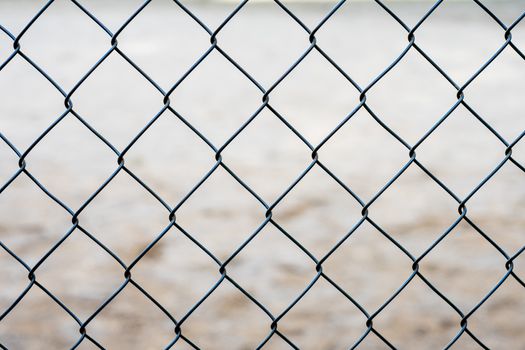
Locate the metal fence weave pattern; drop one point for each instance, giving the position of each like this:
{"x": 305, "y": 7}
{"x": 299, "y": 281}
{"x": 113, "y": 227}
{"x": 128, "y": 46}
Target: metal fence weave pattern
{"x": 220, "y": 162}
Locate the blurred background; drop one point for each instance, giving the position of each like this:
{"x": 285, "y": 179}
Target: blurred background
{"x": 164, "y": 41}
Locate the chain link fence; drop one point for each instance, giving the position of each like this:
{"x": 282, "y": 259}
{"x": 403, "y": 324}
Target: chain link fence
{"x": 266, "y": 211}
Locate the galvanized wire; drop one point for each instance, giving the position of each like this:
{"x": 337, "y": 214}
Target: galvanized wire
{"x": 269, "y": 207}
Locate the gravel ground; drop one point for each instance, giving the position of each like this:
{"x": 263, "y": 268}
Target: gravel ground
{"x": 72, "y": 163}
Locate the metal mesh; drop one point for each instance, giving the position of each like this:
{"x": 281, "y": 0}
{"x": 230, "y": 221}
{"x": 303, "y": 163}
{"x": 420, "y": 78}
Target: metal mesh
{"x": 223, "y": 276}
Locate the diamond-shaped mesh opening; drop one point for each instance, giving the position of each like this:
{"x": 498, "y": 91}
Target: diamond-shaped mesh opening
{"x": 104, "y": 101}
{"x": 425, "y": 210}
{"x": 353, "y": 142}
{"x": 65, "y": 42}
{"x": 469, "y": 276}
{"x": 158, "y": 164}
{"x": 261, "y": 175}
{"x": 60, "y": 149}
{"x": 261, "y": 164}
{"x": 370, "y": 277}
{"x": 190, "y": 266}
{"x": 274, "y": 284}
{"x": 469, "y": 149}
{"x": 300, "y": 99}
{"x": 126, "y": 230}
{"x": 70, "y": 277}
{"x": 422, "y": 97}
{"x": 205, "y": 98}
{"x": 317, "y": 213}
{"x": 221, "y": 214}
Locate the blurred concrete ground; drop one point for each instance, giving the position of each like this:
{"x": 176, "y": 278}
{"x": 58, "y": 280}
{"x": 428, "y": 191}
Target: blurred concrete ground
{"x": 72, "y": 163}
